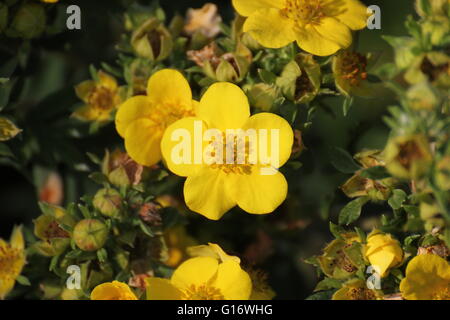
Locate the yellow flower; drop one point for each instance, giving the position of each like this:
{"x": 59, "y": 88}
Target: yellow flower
{"x": 202, "y": 278}
{"x": 213, "y": 189}
{"x": 356, "y": 290}
{"x": 383, "y": 252}
{"x": 320, "y": 27}
{"x": 12, "y": 260}
{"x": 113, "y": 291}
{"x": 141, "y": 120}
{"x": 427, "y": 278}
{"x": 101, "y": 97}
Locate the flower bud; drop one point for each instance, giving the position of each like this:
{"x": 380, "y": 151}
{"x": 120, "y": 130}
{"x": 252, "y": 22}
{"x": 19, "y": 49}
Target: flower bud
{"x": 423, "y": 96}
{"x": 370, "y": 158}
{"x": 152, "y": 40}
{"x": 301, "y": 79}
{"x": 108, "y": 202}
{"x": 383, "y": 252}
{"x": 263, "y": 96}
{"x": 90, "y": 234}
{"x": 29, "y": 21}
{"x": 121, "y": 169}
{"x": 408, "y": 157}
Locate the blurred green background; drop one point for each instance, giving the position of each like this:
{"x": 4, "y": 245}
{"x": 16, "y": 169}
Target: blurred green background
{"x": 297, "y": 230}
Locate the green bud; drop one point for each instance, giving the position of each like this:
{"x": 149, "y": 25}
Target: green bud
{"x": 423, "y": 96}
{"x": 90, "y": 234}
{"x": 408, "y": 157}
{"x": 370, "y": 158}
{"x": 29, "y": 21}
{"x": 108, "y": 202}
{"x": 232, "y": 68}
{"x": 263, "y": 96}
{"x": 152, "y": 40}
{"x": 301, "y": 78}
{"x": 340, "y": 260}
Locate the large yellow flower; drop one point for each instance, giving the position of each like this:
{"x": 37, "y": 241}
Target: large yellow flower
{"x": 12, "y": 260}
{"x": 113, "y": 291}
{"x": 202, "y": 278}
{"x": 320, "y": 27}
{"x": 141, "y": 120}
{"x": 427, "y": 278}
{"x": 213, "y": 189}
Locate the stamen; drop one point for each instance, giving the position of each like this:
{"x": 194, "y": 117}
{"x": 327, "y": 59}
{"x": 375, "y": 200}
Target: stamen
{"x": 202, "y": 292}
{"x": 303, "y": 12}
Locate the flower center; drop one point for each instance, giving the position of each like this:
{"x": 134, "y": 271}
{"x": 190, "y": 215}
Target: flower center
{"x": 101, "y": 98}
{"x": 202, "y": 292}
{"x": 443, "y": 293}
{"x": 235, "y": 156}
{"x": 11, "y": 262}
{"x": 353, "y": 67}
{"x": 303, "y": 12}
{"x": 360, "y": 294}
{"x": 166, "y": 114}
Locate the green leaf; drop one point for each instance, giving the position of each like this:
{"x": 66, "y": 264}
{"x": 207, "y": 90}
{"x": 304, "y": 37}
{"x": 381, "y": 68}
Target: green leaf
{"x": 267, "y": 76}
{"x": 328, "y": 283}
{"x": 322, "y": 295}
{"x": 352, "y": 211}
{"x": 99, "y": 178}
{"x": 23, "y": 280}
{"x": 361, "y": 234}
{"x": 375, "y": 173}
{"x": 343, "y": 161}
{"x": 336, "y": 230}
{"x": 396, "y": 200}
{"x": 102, "y": 255}
{"x": 8, "y": 129}
{"x": 146, "y": 229}
{"x": 346, "y": 106}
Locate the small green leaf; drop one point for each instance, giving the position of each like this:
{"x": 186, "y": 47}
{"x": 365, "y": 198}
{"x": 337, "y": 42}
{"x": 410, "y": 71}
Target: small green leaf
{"x": 146, "y": 229}
{"x": 23, "y": 280}
{"x": 99, "y": 178}
{"x": 352, "y": 211}
{"x": 336, "y": 230}
{"x": 348, "y": 102}
{"x": 328, "y": 283}
{"x": 397, "y": 199}
{"x": 343, "y": 161}
{"x": 267, "y": 76}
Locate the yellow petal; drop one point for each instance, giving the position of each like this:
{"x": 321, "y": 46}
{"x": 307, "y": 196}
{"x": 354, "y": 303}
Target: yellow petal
{"x": 107, "y": 81}
{"x": 270, "y": 28}
{"x": 6, "y": 285}
{"x": 335, "y": 31}
{"x": 162, "y": 289}
{"x": 84, "y": 89}
{"x": 112, "y": 291}
{"x": 134, "y": 108}
{"x": 233, "y": 282}
{"x": 274, "y": 126}
{"x": 313, "y": 42}
{"x": 178, "y": 146}
{"x": 17, "y": 240}
{"x": 142, "y": 142}
{"x": 257, "y": 193}
{"x": 88, "y": 113}
{"x": 247, "y": 7}
{"x": 350, "y": 12}
{"x": 381, "y": 260}
{"x": 169, "y": 86}
{"x": 207, "y": 193}
{"x": 211, "y": 250}
{"x": 195, "y": 271}
{"x": 224, "y": 106}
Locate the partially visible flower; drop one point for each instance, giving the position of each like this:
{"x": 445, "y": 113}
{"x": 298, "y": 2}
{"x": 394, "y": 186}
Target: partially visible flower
{"x": 220, "y": 66}
{"x": 351, "y": 75}
{"x": 226, "y": 181}
{"x": 408, "y": 157}
{"x": 383, "y": 252}
{"x": 301, "y": 79}
{"x": 202, "y": 278}
{"x": 113, "y": 291}
{"x": 51, "y": 191}
{"x": 205, "y": 20}
{"x": 211, "y": 250}
{"x": 356, "y": 289}
{"x": 142, "y": 120}
{"x": 12, "y": 260}
{"x": 48, "y": 227}
{"x": 433, "y": 67}
{"x": 121, "y": 169}
{"x": 320, "y": 27}
{"x": 152, "y": 40}
{"x": 101, "y": 97}
{"x": 177, "y": 241}
{"x": 427, "y": 278}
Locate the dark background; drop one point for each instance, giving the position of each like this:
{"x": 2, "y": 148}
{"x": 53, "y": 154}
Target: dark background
{"x": 62, "y": 61}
